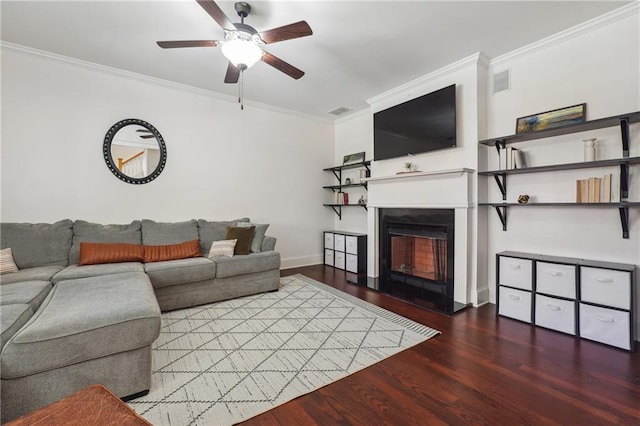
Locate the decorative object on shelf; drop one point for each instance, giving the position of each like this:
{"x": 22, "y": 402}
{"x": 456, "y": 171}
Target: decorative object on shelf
{"x": 347, "y": 181}
{"x": 357, "y": 157}
{"x": 362, "y": 201}
{"x": 590, "y": 149}
{"x": 551, "y": 119}
{"x": 409, "y": 167}
{"x": 523, "y": 199}
{"x": 363, "y": 175}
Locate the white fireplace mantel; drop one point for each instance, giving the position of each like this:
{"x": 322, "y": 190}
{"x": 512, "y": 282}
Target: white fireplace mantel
{"x": 441, "y": 189}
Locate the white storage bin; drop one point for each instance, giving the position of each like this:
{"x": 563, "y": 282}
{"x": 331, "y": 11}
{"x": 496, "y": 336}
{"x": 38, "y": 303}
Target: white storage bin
{"x": 604, "y": 325}
{"x": 515, "y": 272}
{"x": 351, "y": 243}
{"x": 605, "y": 287}
{"x": 515, "y": 304}
{"x": 556, "y": 314}
{"x": 328, "y": 240}
{"x": 352, "y": 263}
{"x": 339, "y": 242}
{"x": 339, "y": 260}
{"x": 328, "y": 257}
{"x": 556, "y": 279}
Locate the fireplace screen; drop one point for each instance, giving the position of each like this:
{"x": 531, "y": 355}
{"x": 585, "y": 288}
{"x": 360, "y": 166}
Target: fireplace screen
{"x": 421, "y": 256}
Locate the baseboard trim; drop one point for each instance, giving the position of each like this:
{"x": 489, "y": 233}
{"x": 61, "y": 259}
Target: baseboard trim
{"x": 297, "y": 262}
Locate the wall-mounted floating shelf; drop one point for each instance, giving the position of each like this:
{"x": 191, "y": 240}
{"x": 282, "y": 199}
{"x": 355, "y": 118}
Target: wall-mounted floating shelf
{"x": 337, "y": 172}
{"x": 624, "y": 162}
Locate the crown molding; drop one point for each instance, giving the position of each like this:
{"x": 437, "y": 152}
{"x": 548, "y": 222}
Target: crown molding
{"x": 92, "y": 66}
{"x": 594, "y": 24}
{"x": 425, "y": 79}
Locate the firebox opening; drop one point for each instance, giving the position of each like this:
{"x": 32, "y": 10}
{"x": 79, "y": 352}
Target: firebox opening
{"x": 418, "y": 255}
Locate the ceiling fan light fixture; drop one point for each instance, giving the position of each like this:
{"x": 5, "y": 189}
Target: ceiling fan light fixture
{"x": 241, "y": 50}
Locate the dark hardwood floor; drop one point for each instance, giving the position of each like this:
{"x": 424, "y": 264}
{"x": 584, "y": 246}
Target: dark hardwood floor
{"x": 481, "y": 370}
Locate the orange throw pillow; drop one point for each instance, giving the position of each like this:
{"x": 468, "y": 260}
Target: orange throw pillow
{"x": 172, "y": 252}
{"x": 94, "y": 253}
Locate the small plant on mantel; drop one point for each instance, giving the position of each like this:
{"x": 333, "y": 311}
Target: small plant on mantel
{"x": 408, "y": 166}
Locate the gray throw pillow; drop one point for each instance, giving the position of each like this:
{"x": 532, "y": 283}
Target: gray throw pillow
{"x": 258, "y": 235}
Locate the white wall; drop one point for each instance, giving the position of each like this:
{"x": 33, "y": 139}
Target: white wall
{"x": 599, "y": 66}
{"x": 222, "y": 163}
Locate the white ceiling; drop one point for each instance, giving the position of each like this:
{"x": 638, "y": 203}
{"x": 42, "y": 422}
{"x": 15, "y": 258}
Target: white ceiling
{"x": 358, "y": 49}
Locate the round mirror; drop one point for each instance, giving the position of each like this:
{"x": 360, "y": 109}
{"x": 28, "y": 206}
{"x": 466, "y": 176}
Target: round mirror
{"x": 134, "y": 151}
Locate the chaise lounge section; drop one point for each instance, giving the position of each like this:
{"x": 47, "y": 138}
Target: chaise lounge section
{"x": 67, "y": 325}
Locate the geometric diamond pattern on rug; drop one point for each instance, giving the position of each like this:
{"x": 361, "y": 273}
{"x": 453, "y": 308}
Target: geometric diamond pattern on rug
{"x": 226, "y": 362}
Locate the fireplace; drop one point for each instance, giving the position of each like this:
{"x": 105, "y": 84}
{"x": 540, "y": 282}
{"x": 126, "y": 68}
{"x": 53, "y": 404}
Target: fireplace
{"x": 417, "y": 256}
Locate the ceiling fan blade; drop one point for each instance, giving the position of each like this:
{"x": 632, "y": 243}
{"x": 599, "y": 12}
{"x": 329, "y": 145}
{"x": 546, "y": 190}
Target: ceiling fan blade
{"x": 287, "y": 32}
{"x": 187, "y": 43}
{"x": 283, "y": 66}
{"x": 147, "y": 136}
{"x": 233, "y": 73}
{"x": 143, "y": 131}
{"x": 217, "y": 14}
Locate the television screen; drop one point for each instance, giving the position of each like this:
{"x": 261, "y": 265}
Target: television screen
{"x": 423, "y": 124}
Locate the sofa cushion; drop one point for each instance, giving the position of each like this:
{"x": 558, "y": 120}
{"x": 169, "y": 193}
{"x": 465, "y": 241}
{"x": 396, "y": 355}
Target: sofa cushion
{"x": 210, "y": 231}
{"x": 238, "y": 265}
{"x": 172, "y": 251}
{"x": 7, "y": 265}
{"x": 29, "y": 292}
{"x": 160, "y": 233}
{"x": 84, "y": 231}
{"x": 13, "y": 317}
{"x": 258, "y": 235}
{"x": 243, "y": 237}
{"x": 130, "y": 320}
{"x": 73, "y": 272}
{"x": 96, "y": 253}
{"x": 173, "y": 272}
{"x": 38, "y": 244}
{"x": 40, "y": 273}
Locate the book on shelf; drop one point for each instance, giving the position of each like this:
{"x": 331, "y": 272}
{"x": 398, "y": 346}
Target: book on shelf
{"x": 345, "y": 197}
{"x": 339, "y": 197}
{"x": 518, "y": 159}
{"x": 502, "y": 159}
{"x": 615, "y": 188}
{"x": 606, "y": 189}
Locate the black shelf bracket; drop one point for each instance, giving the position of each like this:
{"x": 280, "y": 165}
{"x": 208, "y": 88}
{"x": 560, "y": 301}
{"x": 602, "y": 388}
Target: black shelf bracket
{"x": 624, "y": 131}
{"x": 338, "y": 175}
{"x": 624, "y": 220}
{"x": 364, "y": 206}
{"x": 502, "y": 214}
{"x": 501, "y": 180}
{"x": 624, "y": 181}
{"x": 338, "y": 211}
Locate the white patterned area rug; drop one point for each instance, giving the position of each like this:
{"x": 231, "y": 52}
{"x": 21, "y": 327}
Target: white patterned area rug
{"x": 226, "y": 362}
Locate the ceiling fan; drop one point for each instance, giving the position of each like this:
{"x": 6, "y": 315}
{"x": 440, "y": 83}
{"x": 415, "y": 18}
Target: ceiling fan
{"x": 242, "y": 43}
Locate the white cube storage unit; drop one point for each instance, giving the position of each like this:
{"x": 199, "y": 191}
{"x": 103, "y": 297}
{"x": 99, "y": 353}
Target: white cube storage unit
{"x": 346, "y": 250}
{"x": 585, "y": 298}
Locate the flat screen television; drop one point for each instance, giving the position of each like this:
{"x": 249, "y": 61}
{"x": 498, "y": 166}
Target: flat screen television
{"x": 423, "y": 124}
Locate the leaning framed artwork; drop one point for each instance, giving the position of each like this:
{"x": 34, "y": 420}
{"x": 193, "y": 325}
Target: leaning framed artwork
{"x": 358, "y": 157}
{"x": 552, "y": 119}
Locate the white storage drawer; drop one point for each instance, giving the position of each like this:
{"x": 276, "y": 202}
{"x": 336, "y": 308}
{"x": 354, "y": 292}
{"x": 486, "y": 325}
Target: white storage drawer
{"x": 352, "y": 263}
{"x": 328, "y": 257}
{"x": 328, "y": 240}
{"x": 556, "y": 314}
{"x": 338, "y": 242}
{"x": 515, "y": 272}
{"x": 605, "y": 287}
{"x": 605, "y": 325}
{"x": 351, "y": 244}
{"x": 515, "y": 304}
{"x": 556, "y": 279}
{"x": 339, "y": 260}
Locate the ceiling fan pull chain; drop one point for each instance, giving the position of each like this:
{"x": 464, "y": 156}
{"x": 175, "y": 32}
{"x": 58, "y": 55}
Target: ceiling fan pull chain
{"x": 241, "y": 99}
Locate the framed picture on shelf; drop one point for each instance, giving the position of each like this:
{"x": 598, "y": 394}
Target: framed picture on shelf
{"x": 358, "y": 157}
{"x": 551, "y": 119}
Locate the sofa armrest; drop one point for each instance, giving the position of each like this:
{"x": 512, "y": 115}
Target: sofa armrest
{"x": 269, "y": 243}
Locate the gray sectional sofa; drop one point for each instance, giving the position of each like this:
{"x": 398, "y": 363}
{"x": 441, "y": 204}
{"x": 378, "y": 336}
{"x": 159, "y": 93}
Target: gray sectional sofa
{"x": 66, "y": 326}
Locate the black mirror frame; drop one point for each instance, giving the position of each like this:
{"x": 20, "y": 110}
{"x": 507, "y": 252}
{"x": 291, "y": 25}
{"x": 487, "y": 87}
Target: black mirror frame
{"x": 106, "y": 151}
